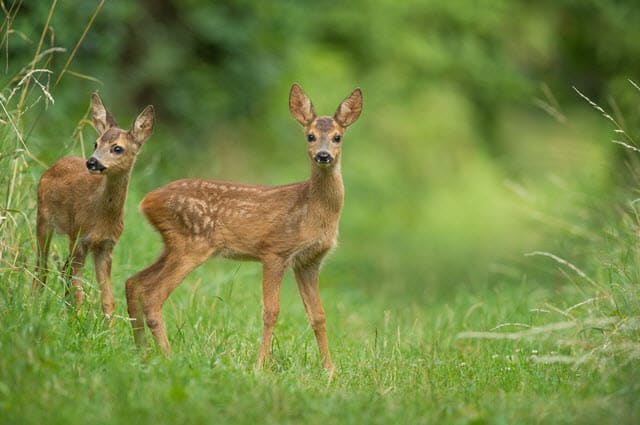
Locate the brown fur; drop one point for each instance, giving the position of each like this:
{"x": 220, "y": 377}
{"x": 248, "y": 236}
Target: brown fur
{"x": 285, "y": 226}
{"x": 89, "y": 208}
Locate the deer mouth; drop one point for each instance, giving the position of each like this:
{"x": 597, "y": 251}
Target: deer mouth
{"x": 94, "y": 166}
{"x": 323, "y": 158}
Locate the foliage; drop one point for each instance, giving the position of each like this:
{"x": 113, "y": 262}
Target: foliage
{"x": 472, "y": 151}
{"x": 225, "y": 59}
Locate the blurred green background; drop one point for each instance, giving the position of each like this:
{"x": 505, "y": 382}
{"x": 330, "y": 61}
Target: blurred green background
{"x": 472, "y": 150}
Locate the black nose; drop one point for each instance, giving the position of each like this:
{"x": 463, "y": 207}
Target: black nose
{"x": 323, "y": 157}
{"x": 94, "y": 165}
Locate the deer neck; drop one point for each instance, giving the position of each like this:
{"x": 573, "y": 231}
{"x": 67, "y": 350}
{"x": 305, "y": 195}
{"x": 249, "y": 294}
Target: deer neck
{"x": 326, "y": 189}
{"x": 114, "y": 194}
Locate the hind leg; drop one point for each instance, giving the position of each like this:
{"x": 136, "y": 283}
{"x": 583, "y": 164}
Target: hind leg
{"x": 43, "y": 243}
{"x": 75, "y": 263}
{"x": 148, "y": 290}
{"x": 134, "y": 301}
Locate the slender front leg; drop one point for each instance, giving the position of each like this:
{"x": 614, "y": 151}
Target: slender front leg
{"x": 307, "y": 279}
{"x": 102, "y": 260}
{"x": 273, "y": 269}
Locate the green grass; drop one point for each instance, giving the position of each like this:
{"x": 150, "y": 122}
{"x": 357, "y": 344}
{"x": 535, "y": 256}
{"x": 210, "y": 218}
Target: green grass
{"x": 399, "y": 359}
{"x": 395, "y": 363}
{"x": 433, "y": 313}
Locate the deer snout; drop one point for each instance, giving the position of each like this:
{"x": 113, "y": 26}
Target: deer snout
{"x": 95, "y": 166}
{"x": 323, "y": 157}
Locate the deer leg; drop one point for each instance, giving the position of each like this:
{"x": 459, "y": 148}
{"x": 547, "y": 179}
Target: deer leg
{"x": 157, "y": 282}
{"x": 134, "y": 300}
{"x": 77, "y": 256}
{"x": 102, "y": 261}
{"x": 43, "y": 242}
{"x": 307, "y": 279}
{"x": 272, "y": 274}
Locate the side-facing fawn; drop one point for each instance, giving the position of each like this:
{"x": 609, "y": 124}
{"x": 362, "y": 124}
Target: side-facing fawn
{"x": 293, "y": 225}
{"x": 85, "y": 201}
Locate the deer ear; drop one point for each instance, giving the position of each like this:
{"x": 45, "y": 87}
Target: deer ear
{"x": 349, "y": 110}
{"x": 143, "y": 125}
{"x": 300, "y": 105}
{"x": 102, "y": 118}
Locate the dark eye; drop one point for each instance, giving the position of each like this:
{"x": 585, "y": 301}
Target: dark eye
{"x": 95, "y": 146}
{"x": 117, "y": 149}
{"x": 337, "y": 138}
{"x": 311, "y": 137}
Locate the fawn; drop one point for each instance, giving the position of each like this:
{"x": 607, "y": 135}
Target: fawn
{"x": 85, "y": 201}
{"x": 293, "y": 225}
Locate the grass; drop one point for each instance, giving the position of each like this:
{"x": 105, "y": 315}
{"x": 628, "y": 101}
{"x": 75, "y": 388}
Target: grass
{"x": 487, "y": 355}
{"x": 545, "y": 341}
{"x": 396, "y": 363}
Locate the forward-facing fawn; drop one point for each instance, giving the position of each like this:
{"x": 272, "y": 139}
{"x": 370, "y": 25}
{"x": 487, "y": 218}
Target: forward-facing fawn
{"x": 85, "y": 201}
{"x": 293, "y": 225}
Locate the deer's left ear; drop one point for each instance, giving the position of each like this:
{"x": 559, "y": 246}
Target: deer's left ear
{"x": 102, "y": 118}
{"x": 143, "y": 125}
{"x": 300, "y": 105}
{"x": 350, "y": 108}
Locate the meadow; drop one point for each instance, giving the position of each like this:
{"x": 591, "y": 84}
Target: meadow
{"x": 504, "y": 353}
{"x": 473, "y": 284}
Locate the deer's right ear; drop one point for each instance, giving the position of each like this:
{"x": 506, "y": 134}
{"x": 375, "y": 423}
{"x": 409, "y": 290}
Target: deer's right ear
{"x": 350, "y": 109}
{"x": 143, "y": 125}
{"x": 300, "y": 105}
{"x": 102, "y": 118}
